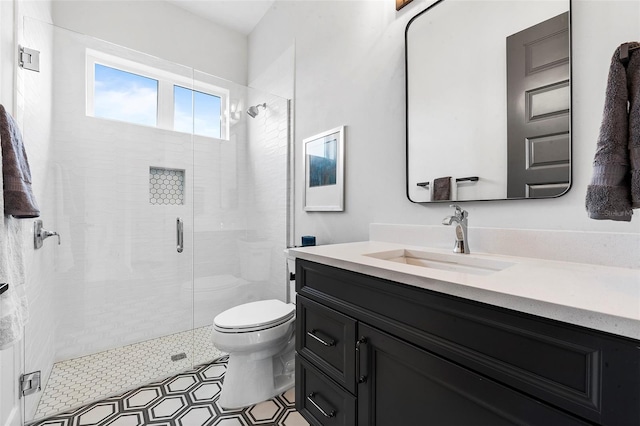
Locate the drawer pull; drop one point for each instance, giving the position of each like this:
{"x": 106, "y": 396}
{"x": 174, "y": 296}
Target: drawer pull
{"x": 332, "y": 413}
{"x": 311, "y": 333}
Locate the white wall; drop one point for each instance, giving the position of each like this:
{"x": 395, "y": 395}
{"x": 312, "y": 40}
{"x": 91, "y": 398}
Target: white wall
{"x": 160, "y": 29}
{"x": 349, "y": 69}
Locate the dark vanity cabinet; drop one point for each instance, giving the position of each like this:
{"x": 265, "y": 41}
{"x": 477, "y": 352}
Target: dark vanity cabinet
{"x": 375, "y": 352}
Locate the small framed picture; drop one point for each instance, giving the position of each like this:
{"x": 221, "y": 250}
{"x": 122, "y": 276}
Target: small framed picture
{"x": 324, "y": 171}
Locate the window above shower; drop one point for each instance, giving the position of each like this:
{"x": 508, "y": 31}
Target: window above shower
{"x": 196, "y": 112}
{"x": 124, "y": 96}
{"x": 123, "y": 90}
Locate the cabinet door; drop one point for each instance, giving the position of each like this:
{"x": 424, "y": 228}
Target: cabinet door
{"x": 405, "y": 385}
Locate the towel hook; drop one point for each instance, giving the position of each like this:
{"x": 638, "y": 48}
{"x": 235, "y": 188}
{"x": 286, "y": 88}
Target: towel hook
{"x": 625, "y": 48}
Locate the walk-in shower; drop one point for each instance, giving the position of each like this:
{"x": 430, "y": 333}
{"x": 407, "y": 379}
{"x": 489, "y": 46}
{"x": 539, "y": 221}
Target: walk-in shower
{"x": 125, "y": 147}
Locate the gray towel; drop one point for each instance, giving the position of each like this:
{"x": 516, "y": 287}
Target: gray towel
{"x": 18, "y": 197}
{"x": 442, "y": 188}
{"x": 633, "y": 77}
{"x": 616, "y": 167}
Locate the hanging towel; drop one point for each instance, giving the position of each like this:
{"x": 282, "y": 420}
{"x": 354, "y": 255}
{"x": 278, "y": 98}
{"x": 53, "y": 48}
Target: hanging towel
{"x": 18, "y": 196}
{"x": 14, "y": 309}
{"x": 616, "y": 167}
{"x": 633, "y": 76}
{"x": 442, "y": 188}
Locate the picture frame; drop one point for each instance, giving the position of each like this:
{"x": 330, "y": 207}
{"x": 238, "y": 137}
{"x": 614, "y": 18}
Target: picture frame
{"x": 324, "y": 171}
{"x": 402, "y": 3}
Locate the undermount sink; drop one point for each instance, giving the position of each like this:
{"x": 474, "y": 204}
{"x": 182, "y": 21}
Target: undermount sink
{"x": 445, "y": 262}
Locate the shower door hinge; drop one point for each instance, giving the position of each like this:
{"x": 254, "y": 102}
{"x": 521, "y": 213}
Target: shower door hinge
{"x": 29, "y": 59}
{"x": 30, "y": 383}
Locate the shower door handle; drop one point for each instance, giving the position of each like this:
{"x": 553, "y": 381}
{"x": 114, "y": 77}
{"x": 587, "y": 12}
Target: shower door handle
{"x": 179, "y": 235}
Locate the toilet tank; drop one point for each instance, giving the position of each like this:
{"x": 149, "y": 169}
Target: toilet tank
{"x": 255, "y": 260}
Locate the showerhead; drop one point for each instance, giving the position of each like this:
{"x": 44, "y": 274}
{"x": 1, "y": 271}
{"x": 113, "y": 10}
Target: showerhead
{"x": 253, "y": 110}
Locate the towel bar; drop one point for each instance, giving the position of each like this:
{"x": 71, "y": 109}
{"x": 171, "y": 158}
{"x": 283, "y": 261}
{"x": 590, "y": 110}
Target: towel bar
{"x": 468, "y": 179}
{"x": 624, "y": 52}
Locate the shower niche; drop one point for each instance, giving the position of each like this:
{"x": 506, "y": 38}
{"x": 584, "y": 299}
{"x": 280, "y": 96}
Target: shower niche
{"x": 166, "y": 186}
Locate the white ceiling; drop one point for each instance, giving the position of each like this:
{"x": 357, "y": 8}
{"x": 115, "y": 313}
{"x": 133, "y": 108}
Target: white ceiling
{"x": 238, "y": 15}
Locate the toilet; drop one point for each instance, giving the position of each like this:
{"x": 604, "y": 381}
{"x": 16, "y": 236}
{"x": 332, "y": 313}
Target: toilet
{"x": 259, "y": 338}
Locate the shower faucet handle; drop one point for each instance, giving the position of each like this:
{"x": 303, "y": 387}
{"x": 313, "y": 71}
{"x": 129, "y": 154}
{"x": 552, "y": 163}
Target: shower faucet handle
{"x": 46, "y": 234}
{"x": 40, "y": 234}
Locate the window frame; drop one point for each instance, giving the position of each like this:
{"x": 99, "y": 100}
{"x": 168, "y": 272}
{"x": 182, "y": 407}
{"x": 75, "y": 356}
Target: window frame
{"x": 166, "y": 82}
{"x": 193, "y": 90}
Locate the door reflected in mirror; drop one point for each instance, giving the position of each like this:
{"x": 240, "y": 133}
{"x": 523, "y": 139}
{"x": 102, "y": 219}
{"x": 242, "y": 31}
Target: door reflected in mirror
{"x": 489, "y": 100}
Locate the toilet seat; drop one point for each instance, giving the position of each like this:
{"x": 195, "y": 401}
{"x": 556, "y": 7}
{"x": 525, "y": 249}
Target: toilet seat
{"x": 254, "y": 316}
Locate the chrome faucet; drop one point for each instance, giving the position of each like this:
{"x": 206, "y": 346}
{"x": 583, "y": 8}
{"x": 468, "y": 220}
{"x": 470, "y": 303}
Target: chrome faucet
{"x": 460, "y": 218}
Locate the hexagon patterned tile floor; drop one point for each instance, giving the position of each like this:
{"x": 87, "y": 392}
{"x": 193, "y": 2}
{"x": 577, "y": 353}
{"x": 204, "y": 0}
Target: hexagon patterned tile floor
{"x": 188, "y": 399}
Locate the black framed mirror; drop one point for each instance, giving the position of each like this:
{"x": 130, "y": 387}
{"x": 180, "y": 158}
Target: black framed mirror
{"x": 488, "y": 92}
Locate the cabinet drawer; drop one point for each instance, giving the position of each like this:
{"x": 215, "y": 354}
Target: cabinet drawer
{"x": 327, "y": 338}
{"x": 321, "y": 401}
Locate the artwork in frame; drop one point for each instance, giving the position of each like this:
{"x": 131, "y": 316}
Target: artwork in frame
{"x": 324, "y": 171}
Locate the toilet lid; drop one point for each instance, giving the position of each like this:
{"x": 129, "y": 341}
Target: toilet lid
{"x": 263, "y": 314}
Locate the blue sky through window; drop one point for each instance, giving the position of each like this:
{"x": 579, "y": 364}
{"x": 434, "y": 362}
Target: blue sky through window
{"x": 206, "y": 119}
{"x": 124, "y": 96}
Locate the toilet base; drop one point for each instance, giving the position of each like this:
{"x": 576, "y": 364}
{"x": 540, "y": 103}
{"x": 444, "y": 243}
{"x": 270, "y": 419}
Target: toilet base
{"x": 249, "y": 380}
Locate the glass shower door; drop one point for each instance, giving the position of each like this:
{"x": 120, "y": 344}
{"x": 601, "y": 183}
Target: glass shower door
{"x": 111, "y": 307}
{"x": 240, "y": 223}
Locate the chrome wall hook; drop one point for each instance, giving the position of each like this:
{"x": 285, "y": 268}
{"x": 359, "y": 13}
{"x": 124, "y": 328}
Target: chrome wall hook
{"x": 40, "y": 234}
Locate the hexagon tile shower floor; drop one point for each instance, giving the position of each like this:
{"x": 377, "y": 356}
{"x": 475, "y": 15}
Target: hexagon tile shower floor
{"x": 188, "y": 399}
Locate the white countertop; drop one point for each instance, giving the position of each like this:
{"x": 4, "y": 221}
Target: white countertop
{"x": 597, "y": 297}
